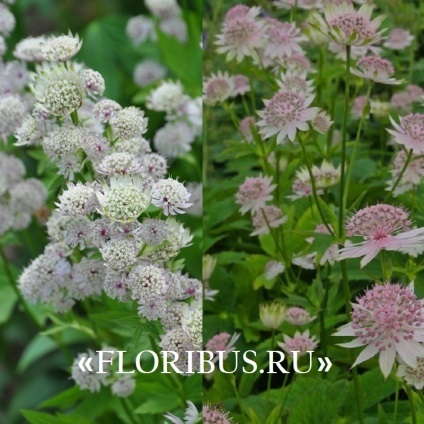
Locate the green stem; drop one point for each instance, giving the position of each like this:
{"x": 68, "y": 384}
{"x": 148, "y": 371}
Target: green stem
{"x": 410, "y": 394}
{"x": 268, "y": 386}
{"x": 128, "y": 411}
{"x": 355, "y": 147}
{"x": 396, "y": 403}
{"x": 314, "y": 189}
{"x": 323, "y": 336}
{"x": 344, "y": 142}
{"x": 408, "y": 159}
{"x": 240, "y": 404}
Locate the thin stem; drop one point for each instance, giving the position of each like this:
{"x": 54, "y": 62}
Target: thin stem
{"x": 268, "y": 386}
{"x": 240, "y": 404}
{"x": 410, "y": 394}
{"x": 323, "y": 335}
{"x": 314, "y": 189}
{"x": 408, "y": 159}
{"x": 128, "y": 410}
{"x": 344, "y": 142}
{"x": 355, "y": 147}
{"x": 396, "y": 403}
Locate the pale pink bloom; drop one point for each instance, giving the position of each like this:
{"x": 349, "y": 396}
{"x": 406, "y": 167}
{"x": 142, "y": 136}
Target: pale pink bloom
{"x": 415, "y": 91}
{"x": 298, "y": 316}
{"x": 325, "y": 176}
{"x": 413, "y": 376}
{"x": 238, "y": 11}
{"x": 412, "y": 176}
{"x": 305, "y": 261}
{"x": 376, "y": 69}
{"x": 269, "y": 216}
{"x": 215, "y": 414}
{"x": 273, "y": 269}
{"x": 300, "y": 342}
{"x": 345, "y": 25}
{"x": 388, "y": 320}
{"x": 241, "y": 85}
{"x": 218, "y": 88}
{"x": 322, "y": 122}
{"x": 208, "y": 292}
{"x": 297, "y": 62}
{"x": 402, "y": 101}
{"x": 242, "y": 34}
{"x": 410, "y": 132}
{"x": 285, "y": 114}
{"x": 295, "y": 81}
{"x": 301, "y": 4}
{"x": 283, "y": 39}
{"x": 359, "y": 104}
{"x": 254, "y": 193}
{"x": 398, "y": 39}
{"x": 383, "y": 227}
{"x": 245, "y": 125}
{"x": 223, "y": 342}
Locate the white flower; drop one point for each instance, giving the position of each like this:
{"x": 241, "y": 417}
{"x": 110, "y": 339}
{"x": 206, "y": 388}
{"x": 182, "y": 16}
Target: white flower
{"x": 62, "y": 48}
{"x": 171, "y": 196}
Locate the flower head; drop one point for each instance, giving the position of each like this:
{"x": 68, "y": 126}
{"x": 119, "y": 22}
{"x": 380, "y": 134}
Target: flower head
{"x": 254, "y": 193}
{"x": 58, "y": 91}
{"x": 266, "y": 218}
{"x": 273, "y": 269}
{"x": 300, "y": 342}
{"x": 124, "y": 200}
{"x": 218, "y": 88}
{"x": 222, "y": 342}
{"x": 283, "y": 39}
{"x": 383, "y": 227}
{"x": 171, "y": 196}
{"x": 62, "y": 48}
{"x": 242, "y": 34}
{"x": 375, "y": 68}
{"x": 413, "y": 376}
{"x": 298, "y": 316}
{"x": 398, "y": 39}
{"x": 345, "y": 25}
{"x": 286, "y": 113}
{"x": 272, "y": 315}
{"x": 410, "y": 132}
{"x": 388, "y": 320}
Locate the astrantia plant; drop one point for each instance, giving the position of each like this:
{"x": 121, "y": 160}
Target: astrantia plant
{"x": 321, "y": 156}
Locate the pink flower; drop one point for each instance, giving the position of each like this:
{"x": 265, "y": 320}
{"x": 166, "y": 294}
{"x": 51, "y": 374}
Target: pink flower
{"x": 415, "y": 91}
{"x": 398, "y": 39}
{"x": 410, "y": 132}
{"x": 295, "y": 81}
{"x": 297, "y": 62}
{"x": 269, "y": 216}
{"x": 376, "y": 69}
{"x": 345, "y": 25}
{"x": 413, "y": 376}
{"x": 242, "y": 34}
{"x": 223, "y": 342}
{"x": 388, "y": 320}
{"x": 241, "y": 85}
{"x": 254, "y": 193}
{"x": 283, "y": 39}
{"x": 214, "y": 414}
{"x": 383, "y": 227}
{"x": 285, "y": 114}
{"x": 245, "y": 125}
{"x": 358, "y": 106}
{"x": 218, "y": 88}
{"x": 298, "y": 316}
{"x": 322, "y": 122}
{"x": 300, "y": 342}
{"x": 401, "y": 101}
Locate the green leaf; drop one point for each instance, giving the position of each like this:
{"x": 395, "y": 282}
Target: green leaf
{"x": 43, "y": 418}
{"x": 65, "y": 399}
{"x": 38, "y": 347}
{"x": 8, "y": 300}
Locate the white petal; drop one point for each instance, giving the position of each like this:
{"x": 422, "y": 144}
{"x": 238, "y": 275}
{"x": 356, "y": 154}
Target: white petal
{"x": 386, "y": 361}
{"x": 409, "y": 351}
{"x": 351, "y": 344}
{"x": 366, "y": 354}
